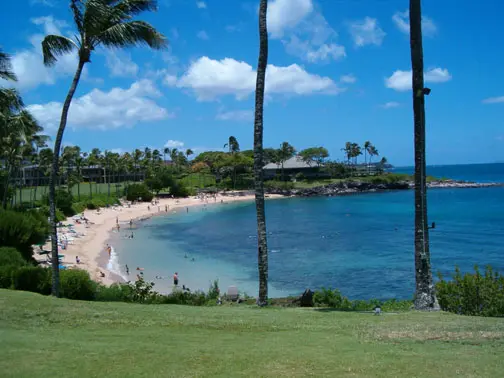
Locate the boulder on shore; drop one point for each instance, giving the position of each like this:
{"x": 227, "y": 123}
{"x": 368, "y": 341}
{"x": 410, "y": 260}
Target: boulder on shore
{"x": 305, "y": 299}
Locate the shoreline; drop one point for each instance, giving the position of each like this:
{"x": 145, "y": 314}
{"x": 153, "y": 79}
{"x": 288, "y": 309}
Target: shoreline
{"x": 90, "y": 247}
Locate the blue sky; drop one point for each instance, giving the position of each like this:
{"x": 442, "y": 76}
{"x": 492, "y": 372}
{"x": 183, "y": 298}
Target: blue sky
{"x": 339, "y": 71}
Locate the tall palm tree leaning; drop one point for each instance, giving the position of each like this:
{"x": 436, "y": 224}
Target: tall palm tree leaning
{"x": 425, "y": 298}
{"x": 98, "y": 22}
{"x": 262, "y": 244}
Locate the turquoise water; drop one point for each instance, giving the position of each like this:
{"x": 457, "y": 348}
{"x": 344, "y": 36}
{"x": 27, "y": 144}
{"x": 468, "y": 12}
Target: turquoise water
{"x": 361, "y": 244}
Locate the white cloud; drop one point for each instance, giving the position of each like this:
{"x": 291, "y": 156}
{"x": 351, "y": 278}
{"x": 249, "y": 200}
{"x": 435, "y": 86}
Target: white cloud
{"x": 120, "y": 64}
{"x": 286, "y": 14}
{"x": 201, "y": 4}
{"x": 28, "y": 64}
{"x": 203, "y": 35}
{"x": 106, "y": 110}
{"x": 390, "y": 105}
{"x": 366, "y": 32}
{"x": 494, "y": 100}
{"x": 236, "y": 115}
{"x": 210, "y": 79}
{"x": 401, "y": 80}
{"x": 348, "y": 79}
{"x": 303, "y": 31}
{"x": 174, "y": 144}
{"x": 401, "y": 20}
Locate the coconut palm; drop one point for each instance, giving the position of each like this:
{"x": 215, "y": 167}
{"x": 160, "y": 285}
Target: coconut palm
{"x": 262, "y": 244}
{"x": 6, "y": 71}
{"x": 107, "y": 23}
{"x": 166, "y": 151}
{"x": 425, "y": 298}
{"x": 285, "y": 152}
{"x": 367, "y": 146}
{"x": 189, "y": 152}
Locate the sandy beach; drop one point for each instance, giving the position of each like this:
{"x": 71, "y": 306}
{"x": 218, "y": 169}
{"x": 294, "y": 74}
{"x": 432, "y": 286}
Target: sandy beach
{"x": 89, "y": 241}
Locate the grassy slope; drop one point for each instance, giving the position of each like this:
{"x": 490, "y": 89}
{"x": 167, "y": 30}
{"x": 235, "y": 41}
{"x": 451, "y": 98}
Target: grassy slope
{"x": 45, "y": 337}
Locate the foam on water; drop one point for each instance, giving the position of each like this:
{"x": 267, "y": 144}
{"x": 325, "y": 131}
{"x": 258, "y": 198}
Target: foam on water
{"x": 114, "y": 266}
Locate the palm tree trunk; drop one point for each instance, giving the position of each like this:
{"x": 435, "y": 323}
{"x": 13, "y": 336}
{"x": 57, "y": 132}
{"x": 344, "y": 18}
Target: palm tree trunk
{"x": 262, "y": 245}
{"x": 53, "y": 178}
{"x": 6, "y": 187}
{"x": 425, "y": 298}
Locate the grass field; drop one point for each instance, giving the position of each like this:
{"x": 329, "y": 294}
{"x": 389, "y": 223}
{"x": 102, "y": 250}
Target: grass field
{"x": 47, "y": 337}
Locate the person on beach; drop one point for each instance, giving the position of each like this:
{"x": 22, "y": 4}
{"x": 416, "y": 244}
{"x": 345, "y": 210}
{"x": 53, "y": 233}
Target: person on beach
{"x": 148, "y": 208}
{"x": 175, "y": 279}
{"x": 77, "y": 260}
{"x": 109, "y": 249}
{"x": 187, "y": 209}
{"x": 166, "y": 208}
{"x": 131, "y": 223}
{"x": 117, "y": 220}
{"x": 127, "y": 270}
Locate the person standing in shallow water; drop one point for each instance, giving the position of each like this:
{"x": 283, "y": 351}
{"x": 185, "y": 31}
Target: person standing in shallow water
{"x": 175, "y": 279}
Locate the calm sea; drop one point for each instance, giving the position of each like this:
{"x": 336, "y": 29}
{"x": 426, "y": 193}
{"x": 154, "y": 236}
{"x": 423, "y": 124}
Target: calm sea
{"x": 360, "y": 244}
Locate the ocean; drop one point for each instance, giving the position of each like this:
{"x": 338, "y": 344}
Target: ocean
{"x": 361, "y": 244}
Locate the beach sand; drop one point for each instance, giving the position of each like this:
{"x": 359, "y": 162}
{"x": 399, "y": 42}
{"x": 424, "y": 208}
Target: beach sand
{"x": 91, "y": 248}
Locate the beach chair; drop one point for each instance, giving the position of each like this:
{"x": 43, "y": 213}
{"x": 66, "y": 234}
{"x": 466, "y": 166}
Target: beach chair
{"x": 232, "y": 293}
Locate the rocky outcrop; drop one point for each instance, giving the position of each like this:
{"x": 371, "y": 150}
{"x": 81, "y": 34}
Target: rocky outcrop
{"x": 354, "y": 187}
{"x": 305, "y": 299}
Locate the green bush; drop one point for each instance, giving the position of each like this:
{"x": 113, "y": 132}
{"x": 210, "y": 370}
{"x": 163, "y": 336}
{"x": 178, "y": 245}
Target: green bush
{"x": 180, "y": 191}
{"x": 44, "y": 210}
{"x": 22, "y": 230}
{"x": 278, "y": 185}
{"x": 78, "y": 207}
{"x": 6, "y": 276}
{"x": 64, "y": 201}
{"x": 472, "y": 294}
{"x": 76, "y": 284}
{"x": 333, "y": 298}
{"x": 11, "y": 257}
{"x": 117, "y": 292}
{"x": 32, "y": 278}
{"x": 135, "y": 191}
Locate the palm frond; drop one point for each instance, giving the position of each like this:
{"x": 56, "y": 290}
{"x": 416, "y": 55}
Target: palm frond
{"x": 131, "y": 34}
{"x": 6, "y": 72}
{"x": 10, "y": 100}
{"x": 134, "y": 7}
{"x": 77, "y": 10}
{"x": 54, "y": 46}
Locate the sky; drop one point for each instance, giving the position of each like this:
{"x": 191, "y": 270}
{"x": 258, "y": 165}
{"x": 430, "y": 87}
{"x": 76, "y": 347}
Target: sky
{"x": 339, "y": 70}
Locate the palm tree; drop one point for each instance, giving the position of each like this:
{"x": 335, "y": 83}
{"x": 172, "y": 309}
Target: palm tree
{"x": 372, "y": 152}
{"x": 166, "y": 151}
{"x": 98, "y": 22}
{"x": 367, "y": 146}
{"x": 189, "y": 152}
{"x": 425, "y": 297}
{"x": 285, "y": 152}
{"x": 233, "y": 147}
{"x": 6, "y": 72}
{"x": 262, "y": 243}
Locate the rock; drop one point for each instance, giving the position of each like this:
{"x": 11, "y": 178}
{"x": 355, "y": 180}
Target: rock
{"x": 305, "y": 299}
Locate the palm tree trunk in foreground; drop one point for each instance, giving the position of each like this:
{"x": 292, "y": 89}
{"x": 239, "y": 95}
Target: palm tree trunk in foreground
{"x": 262, "y": 245}
{"x": 53, "y": 177}
{"x": 425, "y": 298}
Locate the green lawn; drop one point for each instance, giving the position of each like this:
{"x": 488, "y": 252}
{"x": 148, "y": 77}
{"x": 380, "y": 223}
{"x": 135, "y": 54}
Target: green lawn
{"x": 46, "y": 337}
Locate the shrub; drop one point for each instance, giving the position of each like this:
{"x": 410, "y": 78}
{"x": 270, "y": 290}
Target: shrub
{"x": 22, "y": 230}
{"x": 178, "y": 190}
{"x": 44, "y": 210}
{"x": 334, "y": 299}
{"x": 472, "y": 294}
{"x": 32, "y": 278}
{"x": 11, "y": 257}
{"x": 76, "y": 284}
{"x": 278, "y": 185}
{"x": 64, "y": 201}
{"x": 135, "y": 191}
{"x": 117, "y": 292}
{"x": 6, "y": 275}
